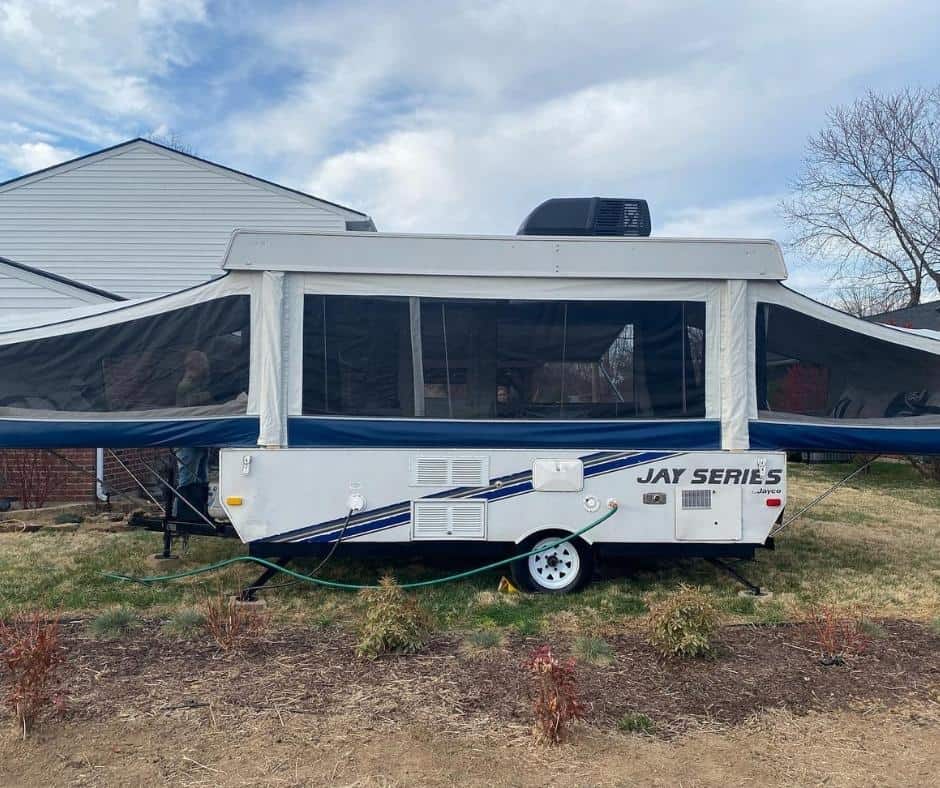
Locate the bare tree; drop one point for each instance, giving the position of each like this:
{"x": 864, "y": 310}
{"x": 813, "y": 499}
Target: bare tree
{"x": 864, "y": 299}
{"x": 173, "y": 140}
{"x": 868, "y": 196}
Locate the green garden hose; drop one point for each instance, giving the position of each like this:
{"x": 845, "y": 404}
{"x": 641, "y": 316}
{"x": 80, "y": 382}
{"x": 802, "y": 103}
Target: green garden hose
{"x": 353, "y": 586}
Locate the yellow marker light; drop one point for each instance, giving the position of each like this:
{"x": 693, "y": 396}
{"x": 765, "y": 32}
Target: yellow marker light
{"x": 234, "y": 500}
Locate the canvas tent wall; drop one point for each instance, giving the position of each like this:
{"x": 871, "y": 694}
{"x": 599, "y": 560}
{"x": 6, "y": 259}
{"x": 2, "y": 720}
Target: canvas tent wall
{"x": 380, "y": 340}
{"x": 110, "y": 375}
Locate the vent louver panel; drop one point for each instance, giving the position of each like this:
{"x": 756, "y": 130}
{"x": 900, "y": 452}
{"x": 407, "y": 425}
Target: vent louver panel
{"x": 448, "y": 520}
{"x": 450, "y": 471}
{"x": 621, "y": 217}
{"x": 696, "y": 499}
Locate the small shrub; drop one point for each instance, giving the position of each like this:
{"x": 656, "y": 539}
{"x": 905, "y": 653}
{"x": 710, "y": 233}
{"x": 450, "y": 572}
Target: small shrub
{"x": 634, "y": 722}
{"x": 114, "y": 623}
{"x": 683, "y": 624}
{"x": 935, "y": 626}
{"x": 28, "y": 473}
{"x": 233, "y": 625}
{"x": 394, "y": 621}
{"x": 484, "y": 639}
{"x": 596, "y": 650}
{"x": 837, "y": 634}
{"x": 185, "y": 623}
{"x": 555, "y": 695}
{"x": 32, "y": 654}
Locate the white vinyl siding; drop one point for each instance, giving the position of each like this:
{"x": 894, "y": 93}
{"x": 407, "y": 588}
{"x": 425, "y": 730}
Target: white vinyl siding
{"x": 17, "y": 294}
{"x": 142, "y": 221}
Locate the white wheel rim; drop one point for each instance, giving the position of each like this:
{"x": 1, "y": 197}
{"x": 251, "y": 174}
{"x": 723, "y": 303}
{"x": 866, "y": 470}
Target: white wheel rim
{"x": 555, "y": 568}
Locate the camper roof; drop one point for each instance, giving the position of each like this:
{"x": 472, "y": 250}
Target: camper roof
{"x": 510, "y": 255}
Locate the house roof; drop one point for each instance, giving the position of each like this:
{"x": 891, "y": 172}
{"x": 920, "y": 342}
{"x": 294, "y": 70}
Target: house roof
{"x": 61, "y": 284}
{"x": 359, "y": 220}
{"x": 920, "y": 316}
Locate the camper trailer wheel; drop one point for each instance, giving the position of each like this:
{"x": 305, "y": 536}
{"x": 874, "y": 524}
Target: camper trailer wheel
{"x": 556, "y": 570}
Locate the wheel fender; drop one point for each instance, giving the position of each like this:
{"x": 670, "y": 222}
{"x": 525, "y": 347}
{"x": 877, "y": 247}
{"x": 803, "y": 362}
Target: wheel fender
{"x": 586, "y": 537}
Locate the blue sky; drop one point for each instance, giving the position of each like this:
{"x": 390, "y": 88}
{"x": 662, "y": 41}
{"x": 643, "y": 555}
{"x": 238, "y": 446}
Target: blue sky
{"x": 461, "y": 116}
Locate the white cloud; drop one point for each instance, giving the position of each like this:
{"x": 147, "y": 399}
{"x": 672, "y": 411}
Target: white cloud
{"x": 754, "y": 217}
{"x": 30, "y": 156}
{"x": 88, "y": 69}
{"x": 465, "y": 121}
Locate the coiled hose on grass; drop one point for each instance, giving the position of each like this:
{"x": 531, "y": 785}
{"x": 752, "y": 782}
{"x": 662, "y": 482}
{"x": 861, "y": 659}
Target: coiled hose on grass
{"x": 353, "y": 586}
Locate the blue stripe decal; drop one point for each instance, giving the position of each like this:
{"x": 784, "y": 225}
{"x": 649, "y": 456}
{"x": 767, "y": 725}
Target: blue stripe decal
{"x": 590, "y": 461}
{"x": 357, "y": 530}
{"x": 398, "y": 517}
{"x": 798, "y": 436}
{"x": 676, "y": 435}
{"x": 62, "y": 434}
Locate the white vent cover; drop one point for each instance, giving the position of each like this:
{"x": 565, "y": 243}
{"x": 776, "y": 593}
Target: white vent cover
{"x": 450, "y": 471}
{"x": 448, "y": 519}
{"x": 696, "y": 499}
{"x": 710, "y": 515}
{"x": 558, "y": 475}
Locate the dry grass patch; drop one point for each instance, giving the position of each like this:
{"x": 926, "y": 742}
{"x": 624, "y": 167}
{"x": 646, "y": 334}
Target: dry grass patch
{"x": 483, "y": 640}
{"x": 234, "y": 625}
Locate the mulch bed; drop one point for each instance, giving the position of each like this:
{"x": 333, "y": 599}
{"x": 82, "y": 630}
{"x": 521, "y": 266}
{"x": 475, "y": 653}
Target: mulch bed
{"x": 315, "y": 672}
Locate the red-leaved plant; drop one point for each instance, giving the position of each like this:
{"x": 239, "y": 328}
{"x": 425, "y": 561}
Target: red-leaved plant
{"x": 838, "y": 634}
{"x": 32, "y": 655}
{"x": 555, "y": 696}
{"x": 27, "y": 474}
{"x": 804, "y": 389}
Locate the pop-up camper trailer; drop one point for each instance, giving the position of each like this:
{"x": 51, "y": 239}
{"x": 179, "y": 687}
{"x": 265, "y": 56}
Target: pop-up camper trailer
{"x": 485, "y": 393}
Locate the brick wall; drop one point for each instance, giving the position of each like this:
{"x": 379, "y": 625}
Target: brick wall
{"x": 118, "y": 479}
{"x": 74, "y": 481}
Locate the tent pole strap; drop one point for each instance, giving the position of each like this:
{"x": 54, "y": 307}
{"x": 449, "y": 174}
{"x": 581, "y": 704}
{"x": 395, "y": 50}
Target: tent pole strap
{"x": 817, "y": 499}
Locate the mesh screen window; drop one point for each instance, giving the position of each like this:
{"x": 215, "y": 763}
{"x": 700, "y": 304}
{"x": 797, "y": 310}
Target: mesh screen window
{"x": 503, "y": 359}
{"x": 195, "y": 358}
{"x": 809, "y": 367}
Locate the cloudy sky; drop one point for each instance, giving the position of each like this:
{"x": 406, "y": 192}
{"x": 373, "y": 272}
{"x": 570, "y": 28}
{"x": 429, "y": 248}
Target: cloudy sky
{"x": 461, "y": 116}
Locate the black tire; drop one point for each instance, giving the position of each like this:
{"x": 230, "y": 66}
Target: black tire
{"x": 554, "y": 579}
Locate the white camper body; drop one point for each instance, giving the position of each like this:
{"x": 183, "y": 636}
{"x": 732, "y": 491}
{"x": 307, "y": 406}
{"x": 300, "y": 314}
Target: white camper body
{"x": 478, "y": 481}
{"x": 290, "y": 497}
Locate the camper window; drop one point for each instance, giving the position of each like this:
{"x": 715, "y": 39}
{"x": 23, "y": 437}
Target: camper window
{"x": 357, "y": 356}
{"x": 810, "y": 367}
{"x": 194, "y": 359}
{"x": 503, "y": 359}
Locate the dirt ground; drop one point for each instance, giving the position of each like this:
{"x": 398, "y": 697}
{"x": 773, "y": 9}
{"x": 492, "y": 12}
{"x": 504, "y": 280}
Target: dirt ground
{"x": 299, "y": 709}
{"x": 850, "y": 748}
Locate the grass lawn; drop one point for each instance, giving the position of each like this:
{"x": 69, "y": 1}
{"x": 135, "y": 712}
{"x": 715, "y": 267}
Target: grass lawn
{"x": 872, "y": 545}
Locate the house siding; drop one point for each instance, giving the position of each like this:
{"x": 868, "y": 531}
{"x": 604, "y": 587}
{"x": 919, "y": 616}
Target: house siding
{"x": 139, "y": 222}
{"x": 16, "y": 294}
